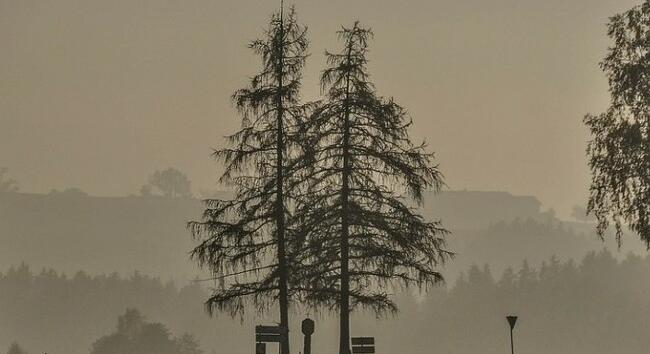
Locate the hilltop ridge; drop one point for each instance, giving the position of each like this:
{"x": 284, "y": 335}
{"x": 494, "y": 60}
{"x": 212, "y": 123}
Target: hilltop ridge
{"x": 71, "y": 230}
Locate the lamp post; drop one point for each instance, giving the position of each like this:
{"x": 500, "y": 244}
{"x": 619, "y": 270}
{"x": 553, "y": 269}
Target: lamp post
{"x": 512, "y": 320}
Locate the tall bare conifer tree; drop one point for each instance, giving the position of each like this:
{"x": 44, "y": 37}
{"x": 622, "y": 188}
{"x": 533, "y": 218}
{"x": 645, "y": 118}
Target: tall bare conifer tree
{"x": 361, "y": 234}
{"x": 243, "y": 241}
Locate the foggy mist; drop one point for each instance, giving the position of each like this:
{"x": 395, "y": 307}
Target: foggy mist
{"x": 121, "y": 89}
{"x": 121, "y": 234}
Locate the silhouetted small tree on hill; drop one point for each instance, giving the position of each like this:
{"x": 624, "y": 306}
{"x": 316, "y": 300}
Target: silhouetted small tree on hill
{"x": 15, "y": 349}
{"x": 170, "y": 182}
{"x": 7, "y": 184}
{"x": 136, "y": 336}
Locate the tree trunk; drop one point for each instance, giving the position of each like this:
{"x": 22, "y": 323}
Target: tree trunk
{"x": 282, "y": 263}
{"x": 344, "y": 344}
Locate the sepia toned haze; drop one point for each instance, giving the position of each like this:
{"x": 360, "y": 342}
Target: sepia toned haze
{"x": 102, "y": 101}
{"x": 98, "y": 94}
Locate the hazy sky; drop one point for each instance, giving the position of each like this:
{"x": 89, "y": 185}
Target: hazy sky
{"x": 98, "y": 94}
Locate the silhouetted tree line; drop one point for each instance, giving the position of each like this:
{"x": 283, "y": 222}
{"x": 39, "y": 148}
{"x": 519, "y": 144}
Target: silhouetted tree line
{"x": 51, "y": 312}
{"x": 597, "y": 305}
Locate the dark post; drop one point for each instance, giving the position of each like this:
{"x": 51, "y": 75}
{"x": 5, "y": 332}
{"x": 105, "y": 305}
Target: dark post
{"x": 307, "y": 330}
{"x": 512, "y": 320}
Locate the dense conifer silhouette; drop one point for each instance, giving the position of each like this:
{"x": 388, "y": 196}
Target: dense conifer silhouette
{"x": 244, "y": 240}
{"x": 355, "y": 217}
{"x": 619, "y": 153}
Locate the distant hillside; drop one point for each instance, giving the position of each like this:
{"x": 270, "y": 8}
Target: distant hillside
{"x": 477, "y": 210}
{"x": 72, "y": 231}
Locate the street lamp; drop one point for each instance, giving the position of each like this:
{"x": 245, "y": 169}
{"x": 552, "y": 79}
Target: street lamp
{"x": 512, "y": 320}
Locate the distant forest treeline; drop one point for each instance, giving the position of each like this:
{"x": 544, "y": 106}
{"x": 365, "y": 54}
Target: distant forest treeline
{"x": 598, "y": 305}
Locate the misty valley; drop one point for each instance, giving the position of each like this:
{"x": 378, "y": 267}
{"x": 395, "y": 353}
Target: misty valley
{"x": 560, "y": 281}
